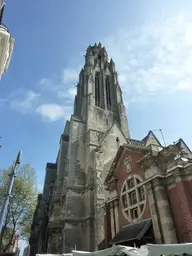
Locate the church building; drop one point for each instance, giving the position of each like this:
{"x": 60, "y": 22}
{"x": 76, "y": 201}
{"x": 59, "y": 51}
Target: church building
{"x": 149, "y": 194}
{"x": 86, "y": 202}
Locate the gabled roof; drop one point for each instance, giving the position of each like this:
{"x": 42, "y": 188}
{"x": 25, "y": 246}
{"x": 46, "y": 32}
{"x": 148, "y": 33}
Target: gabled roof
{"x": 110, "y": 173}
{"x": 110, "y": 130}
{"x": 136, "y": 142}
{"x": 145, "y": 139}
{"x": 131, "y": 143}
{"x": 180, "y": 141}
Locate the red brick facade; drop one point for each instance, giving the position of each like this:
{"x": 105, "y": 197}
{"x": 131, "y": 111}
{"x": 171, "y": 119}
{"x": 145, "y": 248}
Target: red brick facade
{"x": 181, "y": 205}
{"x": 167, "y": 178}
{"x": 122, "y": 175}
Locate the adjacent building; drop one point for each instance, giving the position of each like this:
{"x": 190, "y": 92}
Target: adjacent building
{"x": 149, "y": 194}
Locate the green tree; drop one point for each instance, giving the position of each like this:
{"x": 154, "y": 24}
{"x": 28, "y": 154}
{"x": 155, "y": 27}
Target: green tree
{"x": 21, "y": 206}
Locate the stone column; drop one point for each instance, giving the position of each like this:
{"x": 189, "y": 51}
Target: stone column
{"x": 165, "y": 214}
{"x": 155, "y": 167}
{"x": 154, "y": 213}
{"x": 117, "y": 215}
{"x": 112, "y": 219}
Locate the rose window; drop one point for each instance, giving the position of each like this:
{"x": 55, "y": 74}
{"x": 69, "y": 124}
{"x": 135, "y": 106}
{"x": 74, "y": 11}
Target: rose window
{"x": 133, "y": 198}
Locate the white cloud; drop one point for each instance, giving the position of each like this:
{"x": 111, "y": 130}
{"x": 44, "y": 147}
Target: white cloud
{"x": 43, "y": 81}
{"x": 72, "y": 91}
{"x": 54, "y": 112}
{"x": 154, "y": 58}
{"x": 70, "y": 75}
{"x": 24, "y": 101}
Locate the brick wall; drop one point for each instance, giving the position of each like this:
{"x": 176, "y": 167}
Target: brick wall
{"x": 181, "y": 205}
{"x": 122, "y": 175}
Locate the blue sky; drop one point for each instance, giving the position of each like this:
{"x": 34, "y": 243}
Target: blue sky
{"x": 150, "y": 42}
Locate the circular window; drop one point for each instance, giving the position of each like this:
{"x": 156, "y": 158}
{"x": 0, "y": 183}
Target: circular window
{"x": 133, "y": 198}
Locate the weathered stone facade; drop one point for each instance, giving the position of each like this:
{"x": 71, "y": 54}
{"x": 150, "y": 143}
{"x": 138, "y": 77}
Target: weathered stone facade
{"x": 149, "y": 182}
{"x": 73, "y": 216}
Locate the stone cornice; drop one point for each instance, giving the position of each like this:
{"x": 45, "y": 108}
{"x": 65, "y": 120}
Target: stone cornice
{"x": 75, "y": 118}
{"x": 176, "y": 174}
{"x": 76, "y": 188}
{"x": 137, "y": 148}
{"x": 111, "y": 184}
{"x": 147, "y": 161}
{"x": 93, "y": 144}
{"x": 90, "y": 130}
{"x": 161, "y": 158}
{"x": 75, "y": 219}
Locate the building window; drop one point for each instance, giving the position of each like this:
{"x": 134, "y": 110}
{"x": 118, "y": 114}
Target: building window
{"x": 127, "y": 164}
{"x": 108, "y": 93}
{"x": 124, "y": 200}
{"x": 141, "y": 193}
{"x": 134, "y": 213}
{"x": 131, "y": 183}
{"x": 97, "y": 90}
{"x": 133, "y": 198}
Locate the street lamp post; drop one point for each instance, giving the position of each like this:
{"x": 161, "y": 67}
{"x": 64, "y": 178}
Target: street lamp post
{"x": 9, "y": 190}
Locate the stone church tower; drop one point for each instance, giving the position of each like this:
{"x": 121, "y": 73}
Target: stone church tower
{"x": 90, "y": 140}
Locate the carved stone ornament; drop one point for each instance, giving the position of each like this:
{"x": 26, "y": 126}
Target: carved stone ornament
{"x": 148, "y": 161}
{"x": 99, "y": 182}
{"x": 76, "y": 180}
{"x": 98, "y": 162}
{"x": 100, "y": 188}
{"x": 99, "y": 136}
{"x": 127, "y": 163}
{"x": 91, "y": 79}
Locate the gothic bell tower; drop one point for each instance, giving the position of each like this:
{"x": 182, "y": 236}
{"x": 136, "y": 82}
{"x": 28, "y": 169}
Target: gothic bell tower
{"x": 88, "y": 145}
{"x": 99, "y": 99}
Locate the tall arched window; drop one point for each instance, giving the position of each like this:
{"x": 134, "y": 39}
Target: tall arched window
{"x": 108, "y": 93}
{"x": 97, "y": 90}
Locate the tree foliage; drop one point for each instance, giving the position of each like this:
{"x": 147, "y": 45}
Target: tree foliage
{"x": 21, "y": 206}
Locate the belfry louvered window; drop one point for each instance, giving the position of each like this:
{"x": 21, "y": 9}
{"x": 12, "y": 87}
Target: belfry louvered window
{"x": 97, "y": 90}
{"x": 108, "y": 93}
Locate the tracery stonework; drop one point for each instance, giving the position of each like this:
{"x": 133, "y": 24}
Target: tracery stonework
{"x": 133, "y": 198}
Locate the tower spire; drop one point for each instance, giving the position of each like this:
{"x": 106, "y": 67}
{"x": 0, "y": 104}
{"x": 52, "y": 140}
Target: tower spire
{"x": 6, "y": 44}
{"x": 2, "y": 6}
{"x": 98, "y": 90}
